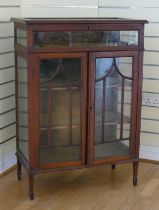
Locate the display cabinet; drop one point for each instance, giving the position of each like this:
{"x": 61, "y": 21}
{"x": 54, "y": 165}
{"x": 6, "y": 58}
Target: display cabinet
{"x": 78, "y": 93}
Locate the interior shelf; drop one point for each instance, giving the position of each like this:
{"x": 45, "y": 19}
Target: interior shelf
{"x": 60, "y": 124}
{"x": 108, "y": 150}
{"x": 59, "y": 88}
{"x": 60, "y": 154}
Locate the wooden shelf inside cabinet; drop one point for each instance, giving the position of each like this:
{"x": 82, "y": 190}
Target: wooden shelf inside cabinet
{"x": 78, "y": 93}
{"x": 59, "y": 88}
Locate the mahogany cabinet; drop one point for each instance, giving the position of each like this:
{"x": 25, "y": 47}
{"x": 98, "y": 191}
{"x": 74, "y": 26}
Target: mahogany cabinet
{"x": 78, "y": 93}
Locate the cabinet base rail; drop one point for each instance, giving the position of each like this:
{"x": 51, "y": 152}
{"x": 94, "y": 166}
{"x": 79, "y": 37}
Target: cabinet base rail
{"x": 31, "y": 173}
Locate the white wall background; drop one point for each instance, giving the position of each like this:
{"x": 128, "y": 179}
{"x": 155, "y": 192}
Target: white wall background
{"x": 137, "y": 9}
{"x": 8, "y": 9}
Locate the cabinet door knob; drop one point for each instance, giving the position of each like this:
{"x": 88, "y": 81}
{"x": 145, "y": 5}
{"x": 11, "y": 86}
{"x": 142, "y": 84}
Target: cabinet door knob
{"x": 90, "y": 107}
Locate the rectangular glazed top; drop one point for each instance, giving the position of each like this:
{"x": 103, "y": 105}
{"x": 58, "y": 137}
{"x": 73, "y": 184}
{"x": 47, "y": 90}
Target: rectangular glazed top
{"x": 76, "y": 20}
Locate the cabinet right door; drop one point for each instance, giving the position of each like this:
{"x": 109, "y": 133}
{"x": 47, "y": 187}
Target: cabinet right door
{"x": 114, "y": 86}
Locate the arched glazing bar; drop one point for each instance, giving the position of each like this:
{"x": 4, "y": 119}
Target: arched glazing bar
{"x": 60, "y": 68}
{"x": 113, "y": 66}
{"x": 117, "y": 69}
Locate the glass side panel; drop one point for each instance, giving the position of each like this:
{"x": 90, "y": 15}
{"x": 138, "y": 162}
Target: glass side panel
{"x": 113, "y": 87}
{"x": 60, "y": 110}
{"x": 22, "y": 105}
{"x": 85, "y": 39}
{"x": 21, "y": 37}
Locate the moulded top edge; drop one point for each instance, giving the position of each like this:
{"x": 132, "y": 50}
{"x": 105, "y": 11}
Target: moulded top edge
{"x": 76, "y": 20}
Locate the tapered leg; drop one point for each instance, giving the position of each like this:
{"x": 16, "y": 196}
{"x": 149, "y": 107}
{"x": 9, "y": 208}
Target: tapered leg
{"x": 113, "y": 166}
{"x": 19, "y": 172}
{"x": 135, "y": 172}
{"x": 31, "y": 186}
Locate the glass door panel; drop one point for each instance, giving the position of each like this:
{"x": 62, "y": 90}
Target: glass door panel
{"x": 61, "y": 86}
{"x": 112, "y": 107}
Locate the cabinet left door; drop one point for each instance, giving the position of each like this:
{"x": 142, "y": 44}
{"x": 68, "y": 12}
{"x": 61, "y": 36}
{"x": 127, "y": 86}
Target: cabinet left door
{"x": 60, "y": 109}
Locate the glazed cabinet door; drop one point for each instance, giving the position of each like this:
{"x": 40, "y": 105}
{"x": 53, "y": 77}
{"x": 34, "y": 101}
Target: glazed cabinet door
{"x": 113, "y": 106}
{"x": 61, "y": 115}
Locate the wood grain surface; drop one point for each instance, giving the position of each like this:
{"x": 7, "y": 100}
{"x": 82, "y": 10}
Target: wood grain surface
{"x": 86, "y": 189}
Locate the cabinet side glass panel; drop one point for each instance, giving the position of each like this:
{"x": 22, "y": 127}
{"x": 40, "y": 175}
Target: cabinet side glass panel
{"x": 113, "y": 89}
{"x": 60, "y": 86}
{"x": 85, "y": 39}
{"x": 22, "y": 105}
{"x": 21, "y": 37}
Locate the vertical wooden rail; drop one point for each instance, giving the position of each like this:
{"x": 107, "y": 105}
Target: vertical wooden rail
{"x": 103, "y": 108}
{"x": 122, "y": 108}
{"x": 49, "y": 113}
{"x": 70, "y": 112}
